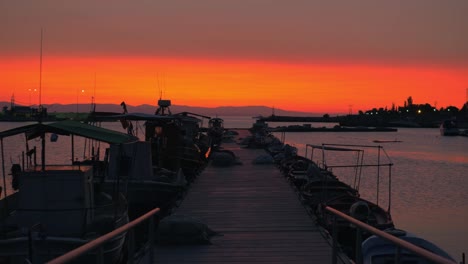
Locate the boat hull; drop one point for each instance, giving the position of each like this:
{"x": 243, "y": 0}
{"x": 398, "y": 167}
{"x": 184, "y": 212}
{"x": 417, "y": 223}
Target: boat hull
{"x": 377, "y": 250}
{"x": 43, "y": 249}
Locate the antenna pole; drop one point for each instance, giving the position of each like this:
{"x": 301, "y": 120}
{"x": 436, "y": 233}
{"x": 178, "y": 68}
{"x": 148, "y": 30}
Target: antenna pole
{"x": 40, "y": 74}
{"x": 93, "y": 98}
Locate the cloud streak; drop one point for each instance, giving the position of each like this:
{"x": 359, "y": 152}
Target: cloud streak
{"x": 384, "y": 32}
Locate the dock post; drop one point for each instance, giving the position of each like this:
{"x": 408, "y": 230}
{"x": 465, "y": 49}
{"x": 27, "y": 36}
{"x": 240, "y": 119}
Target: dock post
{"x": 334, "y": 242}
{"x": 358, "y": 245}
{"x": 100, "y": 255}
{"x": 151, "y": 238}
{"x": 397, "y": 254}
{"x": 131, "y": 246}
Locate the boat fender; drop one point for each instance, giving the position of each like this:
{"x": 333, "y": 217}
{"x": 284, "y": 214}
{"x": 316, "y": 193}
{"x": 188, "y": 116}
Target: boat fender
{"x": 53, "y": 137}
{"x": 360, "y": 210}
{"x": 395, "y": 232}
{"x": 15, "y": 172}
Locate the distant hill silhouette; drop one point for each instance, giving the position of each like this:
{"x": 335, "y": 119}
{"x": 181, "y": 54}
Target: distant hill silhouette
{"x": 150, "y": 109}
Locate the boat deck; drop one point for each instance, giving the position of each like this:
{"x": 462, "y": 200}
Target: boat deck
{"x": 257, "y": 212}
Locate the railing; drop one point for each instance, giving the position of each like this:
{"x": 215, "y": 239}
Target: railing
{"x": 395, "y": 240}
{"x": 99, "y": 242}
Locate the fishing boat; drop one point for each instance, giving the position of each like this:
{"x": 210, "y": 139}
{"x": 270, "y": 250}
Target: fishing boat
{"x": 377, "y": 250}
{"x": 216, "y": 130}
{"x": 346, "y": 198}
{"x": 131, "y": 170}
{"x": 317, "y": 192}
{"x": 156, "y": 171}
{"x": 56, "y": 206}
{"x": 376, "y": 216}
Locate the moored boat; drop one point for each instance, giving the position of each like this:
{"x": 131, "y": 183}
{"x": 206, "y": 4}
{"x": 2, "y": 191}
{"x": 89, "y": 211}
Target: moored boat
{"x": 156, "y": 171}
{"x": 449, "y": 128}
{"x": 377, "y": 250}
{"x": 56, "y": 206}
{"x": 216, "y": 130}
{"x": 346, "y": 198}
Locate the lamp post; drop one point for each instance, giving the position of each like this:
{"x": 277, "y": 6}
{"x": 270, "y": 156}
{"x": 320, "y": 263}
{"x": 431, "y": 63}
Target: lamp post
{"x": 31, "y": 90}
{"x": 77, "y": 98}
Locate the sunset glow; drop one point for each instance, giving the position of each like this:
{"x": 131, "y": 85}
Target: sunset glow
{"x": 312, "y": 56}
{"x": 212, "y": 83}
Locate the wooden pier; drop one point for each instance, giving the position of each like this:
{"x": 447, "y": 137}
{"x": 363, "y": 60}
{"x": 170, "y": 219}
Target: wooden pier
{"x": 257, "y": 212}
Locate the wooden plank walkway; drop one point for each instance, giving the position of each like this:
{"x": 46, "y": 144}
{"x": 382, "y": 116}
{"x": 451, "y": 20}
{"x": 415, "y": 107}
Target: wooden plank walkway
{"x": 256, "y": 211}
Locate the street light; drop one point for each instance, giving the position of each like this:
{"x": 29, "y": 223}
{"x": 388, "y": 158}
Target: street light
{"x": 77, "y": 98}
{"x": 31, "y": 90}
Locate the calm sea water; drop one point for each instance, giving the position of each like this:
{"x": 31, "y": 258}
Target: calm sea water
{"x": 429, "y": 179}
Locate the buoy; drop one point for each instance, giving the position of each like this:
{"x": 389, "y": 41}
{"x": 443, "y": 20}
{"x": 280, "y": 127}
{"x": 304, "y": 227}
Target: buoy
{"x": 53, "y": 137}
{"x": 360, "y": 210}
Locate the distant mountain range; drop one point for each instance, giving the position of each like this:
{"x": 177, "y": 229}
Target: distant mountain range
{"x": 150, "y": 109}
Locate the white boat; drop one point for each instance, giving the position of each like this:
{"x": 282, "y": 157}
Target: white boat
{"x": 377, "y": 250}
{"x": 56, "y": 207}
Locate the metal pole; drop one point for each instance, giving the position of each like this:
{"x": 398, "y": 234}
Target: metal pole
{"x": 4, "y": 174}
{"x": 358, "y": 253}
{"x": 389, "y": 188}
{"x": 397, "y": 255}
{"x": 131, "y": 246}
{"x": 73, "y": 254}
{"x": 35, "y": 157}
{"x": 43, "y": 151}
{"x": 395, "y": 240}
{"x": 40, "y": 76}
{"x": 100, "y": 255}
{"x": 151, "y": 239}
{"x": 72, "y": 149}
{"x": 378, "y": 175}
{"x": 30, "y": 246}
{"x": 335, "y": 242}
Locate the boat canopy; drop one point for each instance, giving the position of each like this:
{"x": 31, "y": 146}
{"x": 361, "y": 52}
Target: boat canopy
{"x": 332, "y": 148}
{"x": 71, "y": 128}
{"x": 148, "y": 117}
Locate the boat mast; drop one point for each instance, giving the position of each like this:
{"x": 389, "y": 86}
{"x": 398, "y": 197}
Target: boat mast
{"x": 41, "y": 113}
{"x": 40, "y": 76}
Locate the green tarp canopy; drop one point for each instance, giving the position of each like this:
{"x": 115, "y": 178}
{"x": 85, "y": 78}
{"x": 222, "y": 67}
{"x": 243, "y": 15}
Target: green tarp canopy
{"x": 71, "y": 128}
{"x": 323, "y": 147}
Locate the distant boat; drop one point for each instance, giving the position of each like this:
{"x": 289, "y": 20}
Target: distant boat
{"x": 386, "y": 141}
{"x": 378, "y": 250}
{"x": 449, "y": 128}
{"x": 308, "y": 128}
{"x": 216, "y": 130}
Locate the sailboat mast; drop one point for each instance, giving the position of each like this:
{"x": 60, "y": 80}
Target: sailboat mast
{"x": 40, "y": 74}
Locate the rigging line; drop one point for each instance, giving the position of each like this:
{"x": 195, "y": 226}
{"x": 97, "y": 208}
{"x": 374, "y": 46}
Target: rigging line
{"x": 389, "y": 188}
{"x": 361, "y": 165}
{"x": 378, "y": 175}
{"x": 158, "y": 85}
{"x": 356, "y": 170}
{"x": 4, "y": 174}
{"x": 164, "y": 84}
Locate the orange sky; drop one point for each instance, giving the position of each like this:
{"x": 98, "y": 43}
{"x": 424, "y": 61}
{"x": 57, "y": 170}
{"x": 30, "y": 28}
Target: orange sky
{"x": 322, "y": 88}
{"x": 314, "y": 56}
